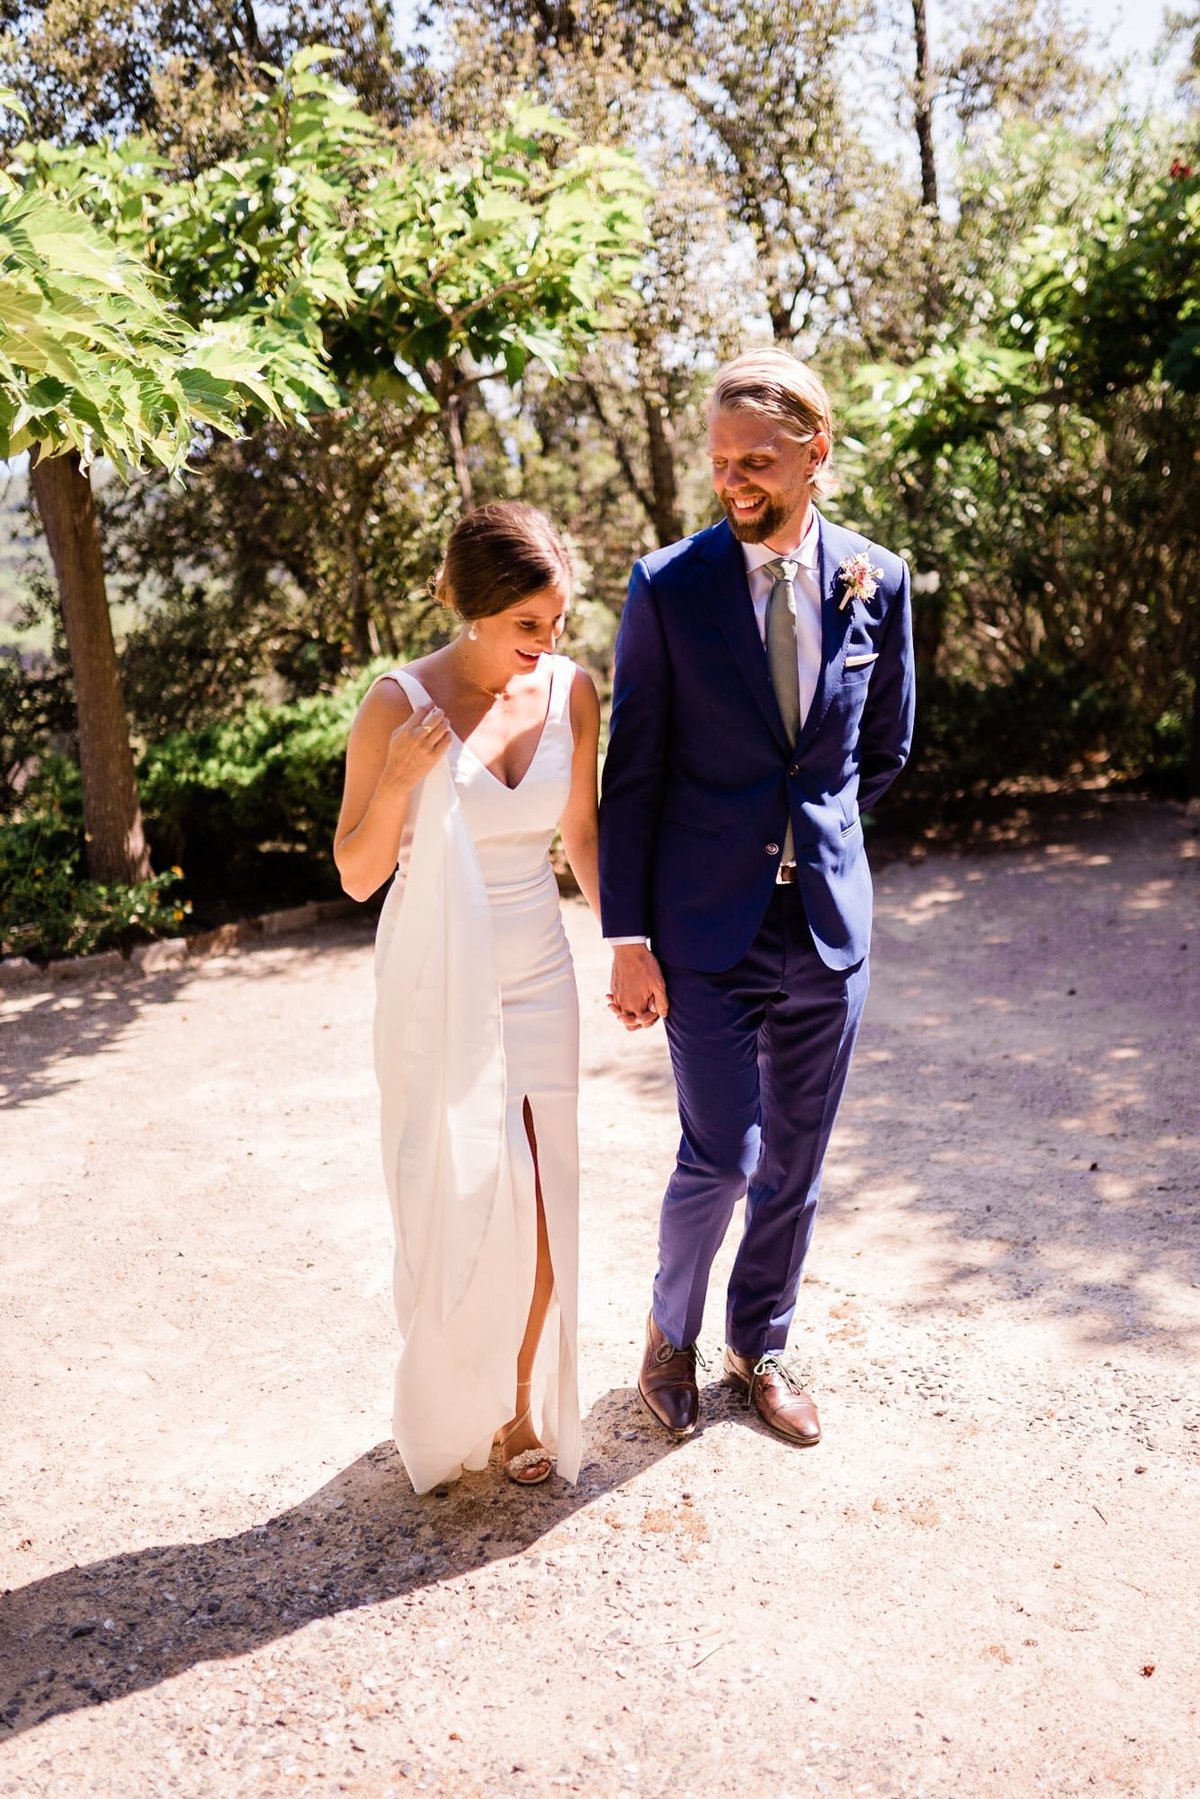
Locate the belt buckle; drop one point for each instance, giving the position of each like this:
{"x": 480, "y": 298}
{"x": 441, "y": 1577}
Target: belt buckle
{"x": 786, "y": 874}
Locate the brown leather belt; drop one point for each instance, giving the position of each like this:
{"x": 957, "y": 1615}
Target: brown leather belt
{"x": 787, "y": 874}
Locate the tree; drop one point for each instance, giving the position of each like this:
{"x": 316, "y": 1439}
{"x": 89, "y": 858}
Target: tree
{"x": 181, "y": 73}
{"x": 1053, "y": 438}
{"x": 425, "y": 281}
{"x": 318, "y": 246}
{"x": 779, "y": 204}
{"x": 92, "y": 364}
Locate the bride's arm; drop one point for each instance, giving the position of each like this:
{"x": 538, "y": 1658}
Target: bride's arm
{"x": 391, "y": 749}
{"x": 578, "y": 826}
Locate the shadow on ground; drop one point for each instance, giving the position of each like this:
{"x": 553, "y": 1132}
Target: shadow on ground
{"x": 90, "y": 1634}
{"x": 1022, "y": 1110}
{"x": 44, "y": 1030}
{"x": 78, "y": 1017}
{"x": 1024, "y": 1092}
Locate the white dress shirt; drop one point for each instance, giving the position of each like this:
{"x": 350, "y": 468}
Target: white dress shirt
{"x": 806, "y": 586}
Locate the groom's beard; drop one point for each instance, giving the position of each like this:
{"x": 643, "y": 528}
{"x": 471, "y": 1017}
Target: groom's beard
{"x": 774, "y": 515}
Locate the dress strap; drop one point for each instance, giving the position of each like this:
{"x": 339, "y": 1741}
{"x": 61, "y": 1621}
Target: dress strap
{"x": 561, "y": 676}
{"x": 408, "y": 684}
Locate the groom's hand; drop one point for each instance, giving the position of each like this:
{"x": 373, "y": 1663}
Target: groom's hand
{"x": 639, "y": 993}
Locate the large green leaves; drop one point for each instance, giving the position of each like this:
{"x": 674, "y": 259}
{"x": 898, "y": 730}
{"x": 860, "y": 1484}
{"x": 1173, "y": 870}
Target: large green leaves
{"x": 1115, "y": 289}
{"x": 322, "y": 229}
{"x": 89, "y": 358}
{"x": 93, "y": 358}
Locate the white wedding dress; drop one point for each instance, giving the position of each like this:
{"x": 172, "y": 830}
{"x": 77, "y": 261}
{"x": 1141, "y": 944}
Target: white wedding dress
{"x": 476, "y": 1012}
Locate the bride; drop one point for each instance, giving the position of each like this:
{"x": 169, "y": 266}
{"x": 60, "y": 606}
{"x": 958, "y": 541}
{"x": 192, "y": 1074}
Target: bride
{"x": 459, "y": 768}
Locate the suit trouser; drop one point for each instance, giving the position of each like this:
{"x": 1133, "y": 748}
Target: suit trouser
{"x": 760, "y": 1053}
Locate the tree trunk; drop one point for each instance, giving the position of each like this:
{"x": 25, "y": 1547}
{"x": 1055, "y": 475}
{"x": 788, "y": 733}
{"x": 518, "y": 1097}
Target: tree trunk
{"x": 924, "y": 111}
{"x": 453, "y": 420}
{"x": 253, "y": 43}
{"x": 364, "y": 638}
{"x": 1194, "y": 784}
{"x": 667, "y": 520}
{"x": 659, "y": 499}
{"x": 112, "y": 816}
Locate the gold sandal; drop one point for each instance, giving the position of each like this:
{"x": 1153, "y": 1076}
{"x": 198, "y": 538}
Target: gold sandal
{"x": 519, "y": 1468}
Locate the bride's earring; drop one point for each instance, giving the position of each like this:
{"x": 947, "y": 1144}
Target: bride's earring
{"x": 472, "y": 634}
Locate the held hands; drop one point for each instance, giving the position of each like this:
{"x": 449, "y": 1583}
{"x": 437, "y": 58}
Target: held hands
{"x": 415, "y": 746}
{"x": 639, "y": 993}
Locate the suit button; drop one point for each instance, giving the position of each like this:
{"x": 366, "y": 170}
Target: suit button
{"x": 772, "y": 849}
{"x": 794, "y": 769}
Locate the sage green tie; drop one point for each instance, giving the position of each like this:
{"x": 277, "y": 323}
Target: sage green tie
{"x": 782, "y": 660}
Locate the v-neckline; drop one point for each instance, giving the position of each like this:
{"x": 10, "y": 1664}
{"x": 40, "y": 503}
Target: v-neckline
{"x": 464, "y": 743}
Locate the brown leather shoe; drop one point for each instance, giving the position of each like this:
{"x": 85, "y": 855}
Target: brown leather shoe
{"x": 667, "y": 1382}
{"x": 777, "y": 1395}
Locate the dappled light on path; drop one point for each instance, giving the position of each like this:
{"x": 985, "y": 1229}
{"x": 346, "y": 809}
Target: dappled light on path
{"x": 959, "y": 1590}
{"x": 50, "y": 1031}
{"x": 1024, "y": 1108}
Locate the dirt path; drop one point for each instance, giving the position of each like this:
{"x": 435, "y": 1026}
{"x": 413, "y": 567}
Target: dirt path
{"x": 982, "y": 1583}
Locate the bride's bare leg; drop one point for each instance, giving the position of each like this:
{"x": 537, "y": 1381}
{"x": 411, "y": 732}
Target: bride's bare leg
{"x": 543, "y": 1279}
{"x": 515, "y": 1440}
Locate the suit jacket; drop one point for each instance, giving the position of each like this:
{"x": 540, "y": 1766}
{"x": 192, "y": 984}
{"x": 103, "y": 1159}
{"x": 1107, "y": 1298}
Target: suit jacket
{"x": 700, "y": 778}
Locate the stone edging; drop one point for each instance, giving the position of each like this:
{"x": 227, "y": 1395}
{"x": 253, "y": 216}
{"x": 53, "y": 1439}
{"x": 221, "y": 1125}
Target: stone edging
{"x": 174, "y": 952}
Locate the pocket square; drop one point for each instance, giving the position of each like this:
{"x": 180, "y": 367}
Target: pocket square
{"x": 861, "y": 661}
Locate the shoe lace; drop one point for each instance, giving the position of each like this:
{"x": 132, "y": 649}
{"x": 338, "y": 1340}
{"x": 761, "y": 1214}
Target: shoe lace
{"x": 773, "y": 1363}
{"x": 693, "y": 1351}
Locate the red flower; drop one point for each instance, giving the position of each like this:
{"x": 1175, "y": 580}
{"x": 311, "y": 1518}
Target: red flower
{"x": 1181, "y": 171}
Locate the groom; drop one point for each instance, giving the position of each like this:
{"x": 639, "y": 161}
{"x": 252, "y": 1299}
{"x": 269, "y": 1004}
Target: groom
{"x": 762, "y": 700}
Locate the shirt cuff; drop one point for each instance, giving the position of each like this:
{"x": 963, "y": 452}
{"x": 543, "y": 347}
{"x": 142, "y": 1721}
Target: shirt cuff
{"x": 644, "y": 941}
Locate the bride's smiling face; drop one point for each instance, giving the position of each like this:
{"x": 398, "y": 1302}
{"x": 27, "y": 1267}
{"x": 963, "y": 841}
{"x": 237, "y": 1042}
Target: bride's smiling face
{"x": 516, "y": 637}
{"x": 762, "y": 475}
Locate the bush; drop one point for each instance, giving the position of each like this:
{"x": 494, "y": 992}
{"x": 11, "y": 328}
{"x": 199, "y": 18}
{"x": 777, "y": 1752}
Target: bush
{"x": 1169, "y": 766}
{"x": 48, "y": 907}
{"x": 973, "y": 741}
{"x": 201, "y": 655}
{"x": 249, "y": 805}
{"x": 37, "y": 713}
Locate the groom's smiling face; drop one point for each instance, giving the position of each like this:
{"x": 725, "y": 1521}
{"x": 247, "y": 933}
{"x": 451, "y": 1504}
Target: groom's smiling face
{"x": 762, "y": 475}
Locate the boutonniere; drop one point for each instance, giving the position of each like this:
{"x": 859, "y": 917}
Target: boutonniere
{"x": 859, "y": 579}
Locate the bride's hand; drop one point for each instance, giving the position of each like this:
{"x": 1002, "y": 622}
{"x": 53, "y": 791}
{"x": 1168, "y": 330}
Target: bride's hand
{"x": 415, "y": 746}
{"x": 638, "y": 995}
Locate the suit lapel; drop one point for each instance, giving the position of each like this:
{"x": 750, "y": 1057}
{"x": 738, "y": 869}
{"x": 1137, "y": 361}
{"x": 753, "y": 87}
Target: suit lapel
{"x": 729, "y": 597}
{"x": 832, "y": 548}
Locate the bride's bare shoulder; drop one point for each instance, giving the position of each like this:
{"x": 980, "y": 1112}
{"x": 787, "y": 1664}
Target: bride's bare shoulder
{"x": 585, "y": 701}
{"x": 384, "y": 706}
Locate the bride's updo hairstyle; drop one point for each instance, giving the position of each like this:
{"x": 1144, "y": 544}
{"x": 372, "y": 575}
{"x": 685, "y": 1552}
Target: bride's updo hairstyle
{"x": 497, "y": 556}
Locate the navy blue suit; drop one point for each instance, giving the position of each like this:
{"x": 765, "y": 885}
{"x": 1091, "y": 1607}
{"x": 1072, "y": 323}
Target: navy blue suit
{"x": 765, "y": 982}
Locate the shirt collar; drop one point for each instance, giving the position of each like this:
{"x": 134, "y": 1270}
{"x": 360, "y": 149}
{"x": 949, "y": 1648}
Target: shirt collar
{"x": 805, "y": 552}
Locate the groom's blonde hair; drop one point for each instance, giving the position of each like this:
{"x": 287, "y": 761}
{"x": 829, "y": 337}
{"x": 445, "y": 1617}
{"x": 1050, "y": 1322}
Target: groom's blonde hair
{"x": 781, "y": 387}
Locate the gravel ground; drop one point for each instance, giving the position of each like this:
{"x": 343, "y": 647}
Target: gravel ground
{"x": 981, "y": 1583}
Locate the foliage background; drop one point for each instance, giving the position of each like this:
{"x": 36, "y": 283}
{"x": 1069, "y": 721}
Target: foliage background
{"x": 983, "y": 241}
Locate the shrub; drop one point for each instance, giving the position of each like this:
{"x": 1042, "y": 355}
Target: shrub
{"x": 37, "y": 713}
{"x": 246, "y": 806}
{"x": 973, "y": 741}
{"x": 48, "y": 907}
{"x": 249, "y": 805}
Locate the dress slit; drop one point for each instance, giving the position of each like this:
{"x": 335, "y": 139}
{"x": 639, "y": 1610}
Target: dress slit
{"x": 554, "y": 1358}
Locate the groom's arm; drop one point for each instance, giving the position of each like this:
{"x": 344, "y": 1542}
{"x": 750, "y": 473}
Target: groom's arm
{"x": 885, "y": 736}
{"x": 631, "y": 790}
